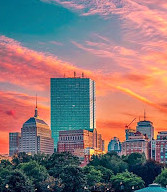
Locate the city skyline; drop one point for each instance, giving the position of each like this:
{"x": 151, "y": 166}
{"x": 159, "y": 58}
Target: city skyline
{"x": 119, "y": 44}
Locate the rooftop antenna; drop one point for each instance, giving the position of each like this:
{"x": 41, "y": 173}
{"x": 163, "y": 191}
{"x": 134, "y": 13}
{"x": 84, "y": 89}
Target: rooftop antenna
{"x": 82, "y": 75}
{"x": 144, "y": 115}
{"x": 36, "y": 109}
{"x": 74, "y": 74}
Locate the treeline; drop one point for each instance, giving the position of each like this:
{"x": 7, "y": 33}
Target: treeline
{"x": 61, "y": 172}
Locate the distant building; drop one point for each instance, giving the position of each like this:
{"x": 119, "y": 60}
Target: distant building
{"x": 146, "y": 127}
{"x": 14, "y": 142}
{"x": 138, "y": 143}
{"x": 159, "y": 147}
{"x": 114, "y": 145}
{"x": 72, "y": 105}
{"x": 36, "y": 136}
{"x": 129, "y": 132}
{"x": 81, "y": 143}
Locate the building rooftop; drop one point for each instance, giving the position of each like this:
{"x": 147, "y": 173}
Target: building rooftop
{"x": 153, "y": 188}
{"x": 35, "y": 121}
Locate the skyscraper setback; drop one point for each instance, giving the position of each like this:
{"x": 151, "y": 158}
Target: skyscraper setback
{"x": 72, "y": 105}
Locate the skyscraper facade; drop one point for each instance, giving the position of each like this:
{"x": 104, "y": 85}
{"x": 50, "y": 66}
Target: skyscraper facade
{"x": 72, "y": 105}
{"x": 14, "y": 142}
{"x": 146, "y": 128}
{"x": 36, "y": 136}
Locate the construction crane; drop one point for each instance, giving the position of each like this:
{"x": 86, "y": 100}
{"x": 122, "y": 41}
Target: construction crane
{"x": 127, "y": 126}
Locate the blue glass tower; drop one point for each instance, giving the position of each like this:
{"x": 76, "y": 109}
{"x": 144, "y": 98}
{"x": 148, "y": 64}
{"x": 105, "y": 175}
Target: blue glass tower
{"x": 72, "y": 105}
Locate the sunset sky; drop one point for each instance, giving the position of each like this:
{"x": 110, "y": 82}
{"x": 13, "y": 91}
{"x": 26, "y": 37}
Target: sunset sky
{"x": 121, "y": 44}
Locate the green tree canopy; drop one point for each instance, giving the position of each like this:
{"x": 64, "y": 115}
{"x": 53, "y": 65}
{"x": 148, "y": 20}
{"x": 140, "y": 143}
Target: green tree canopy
{"x": 73, "y": 179}
{"x": 18, "y": 181}
{"x": 126, "y": 181}
{"x": 21, "y": 158}
{"x": 37, "y": 173}
{"x": 147, "y": 171}
{"x": 57, "y": 161}
{"x": 112, "y": 162}
{"x": 162, "y": 178}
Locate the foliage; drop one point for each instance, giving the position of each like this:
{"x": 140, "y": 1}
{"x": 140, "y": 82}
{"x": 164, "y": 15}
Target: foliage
{"x": 148, "y": 171}
{"x": 162, "y": 178}
{"x": 125, "y": 181}
{"x": 112, "y": 162}
{"x": 17, "y": 181}
{"x": 57, "y": 161}
{"x": 21, "y": 158}
{"x": 37, "y": 173}
{"x": 73, "y": 179}
{"x": 93, "y": 175}
{"x": 135, "y": 159}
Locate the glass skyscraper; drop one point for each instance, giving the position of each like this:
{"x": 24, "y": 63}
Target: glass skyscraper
{"x": 72, "y": 105}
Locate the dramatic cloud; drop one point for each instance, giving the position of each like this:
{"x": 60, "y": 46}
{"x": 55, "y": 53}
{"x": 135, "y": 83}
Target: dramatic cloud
{"x": 31, "y": 71}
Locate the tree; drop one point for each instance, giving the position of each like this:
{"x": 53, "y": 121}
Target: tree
{"x": 37, "y": 173}
{"x": 6, "y": 164}
{"x": 112, "y": 162}
{"x": 73, "y": 179}
{"x": 162, "y": 178}
{"x": 57, "y": 161}
{"x": 148, "y": 171}
{"x": 18, "y": 181}
{"x": 92, "y": 175}
{"x": 106, "y": 174}
{"x": 21, "y": 158}
{"x": 126, "y": 181}
{"x": 41, "y": 158}
{"x": 135, "y": 159}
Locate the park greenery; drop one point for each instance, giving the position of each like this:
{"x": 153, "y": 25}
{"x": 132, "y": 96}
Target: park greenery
{"x": 61, "y": 172}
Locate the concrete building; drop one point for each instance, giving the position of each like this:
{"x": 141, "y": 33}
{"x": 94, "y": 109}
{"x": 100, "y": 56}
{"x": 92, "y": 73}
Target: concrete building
{"x": 138, "y": 143}
{"x": 82, "y": 143}
{"x": 146, "y": 127}
{"x": 14, "y": 142}
{"x": 114, "y": 145}
{"x": 159, "y": 147}
{"x": 36, "y": 136}
{"x": 72, "y": 105}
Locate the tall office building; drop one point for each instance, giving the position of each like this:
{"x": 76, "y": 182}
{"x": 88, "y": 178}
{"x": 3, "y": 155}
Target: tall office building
{"x": 72, "y": 105}
{"x": 36, "y": 136}
{"x": 146, "y": 128}
{"x": 14, "y": 142}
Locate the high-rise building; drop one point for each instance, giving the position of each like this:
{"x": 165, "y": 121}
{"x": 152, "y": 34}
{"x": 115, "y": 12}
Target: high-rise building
{"x": 72, "y": 105}
{"x": 114, "y": 145}
{"x": 36, "y": 136}
{"x": 146, "y": 128}
{"x": 14, "y": 142}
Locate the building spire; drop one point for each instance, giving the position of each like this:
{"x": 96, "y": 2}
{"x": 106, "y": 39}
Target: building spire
{"x": 36, "y": 109}
{"x": 144, "y": 115}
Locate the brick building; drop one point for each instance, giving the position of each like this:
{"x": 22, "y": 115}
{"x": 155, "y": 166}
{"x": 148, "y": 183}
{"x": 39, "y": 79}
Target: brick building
{"x": 82, "y": 143}
{"x": 137, "y": 143}
{"x": 159, "y": 147}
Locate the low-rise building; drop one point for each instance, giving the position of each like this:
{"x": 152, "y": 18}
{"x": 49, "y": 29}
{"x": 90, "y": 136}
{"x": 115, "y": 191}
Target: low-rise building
{"x": 82, "y": 143}
{"x": 159, "y": 147}
{"x": 138, "y": 143}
